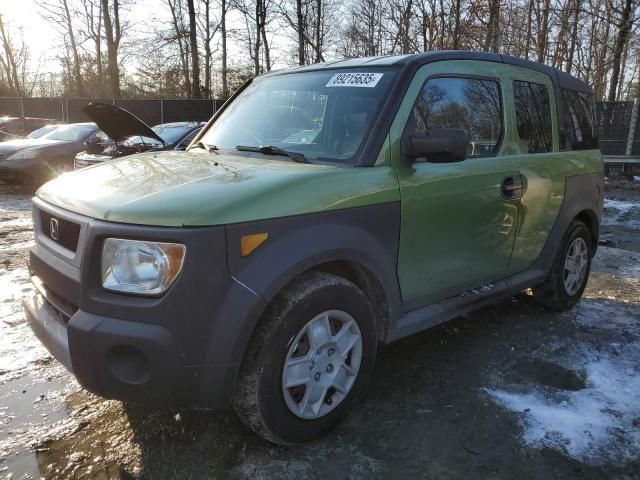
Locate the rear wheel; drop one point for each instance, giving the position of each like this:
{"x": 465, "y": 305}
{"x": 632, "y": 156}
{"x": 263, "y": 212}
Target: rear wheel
{"x": 570, "y": 271}
{"x": 308, "y": 361}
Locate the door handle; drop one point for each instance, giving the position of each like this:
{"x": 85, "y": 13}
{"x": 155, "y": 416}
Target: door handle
{"x": 513, "y": 187}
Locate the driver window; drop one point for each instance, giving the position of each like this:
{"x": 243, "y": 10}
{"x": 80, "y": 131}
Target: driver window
{"x": 467, "y": 103}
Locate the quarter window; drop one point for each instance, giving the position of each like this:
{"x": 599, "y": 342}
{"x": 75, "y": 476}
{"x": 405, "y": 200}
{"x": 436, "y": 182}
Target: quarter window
{"x": 533, "y": 116}
{"x": 467, "y": 103}
{"x": 577, "y": 117}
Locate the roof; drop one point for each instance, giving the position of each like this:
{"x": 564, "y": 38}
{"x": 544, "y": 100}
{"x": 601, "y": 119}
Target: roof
{"x": 560, "y": 78}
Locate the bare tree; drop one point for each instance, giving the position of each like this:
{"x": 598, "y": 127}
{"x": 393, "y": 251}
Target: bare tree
{"x": 622, "y": 37}
{"x": 61, "y": 16}
{"x": 113, "y": 34}
{"x": 9, "y": 63}
{"x": 224, "y": 7}
{"x": 195, "y": 55}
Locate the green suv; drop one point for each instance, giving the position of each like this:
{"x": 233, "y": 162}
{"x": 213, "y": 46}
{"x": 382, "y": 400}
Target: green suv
{"x": 322, "y": 212}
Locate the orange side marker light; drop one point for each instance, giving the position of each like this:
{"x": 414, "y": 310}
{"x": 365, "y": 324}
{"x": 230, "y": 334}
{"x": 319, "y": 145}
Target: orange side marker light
{"x": 249, "y": 243}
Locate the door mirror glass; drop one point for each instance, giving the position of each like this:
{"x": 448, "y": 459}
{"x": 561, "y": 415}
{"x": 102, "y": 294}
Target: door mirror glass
{"x": 439, "y": 145}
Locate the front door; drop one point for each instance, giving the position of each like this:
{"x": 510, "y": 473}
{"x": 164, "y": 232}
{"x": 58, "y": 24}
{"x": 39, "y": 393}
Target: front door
{"x": 458, "y": 218}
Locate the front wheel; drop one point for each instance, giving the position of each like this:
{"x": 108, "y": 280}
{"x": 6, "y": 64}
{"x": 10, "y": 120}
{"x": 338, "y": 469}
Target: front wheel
{"x": 309, "y": 360}
{"x": 569, "y": 274}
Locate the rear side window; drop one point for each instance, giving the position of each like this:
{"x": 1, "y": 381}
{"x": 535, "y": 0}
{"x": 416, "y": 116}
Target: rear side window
{"x": 578, "y": 131}
{"x": 533, "y": 116}
{"x": 467, "y": 103}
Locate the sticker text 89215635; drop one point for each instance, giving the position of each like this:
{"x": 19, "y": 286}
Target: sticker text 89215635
{"x": 366, "y": 80}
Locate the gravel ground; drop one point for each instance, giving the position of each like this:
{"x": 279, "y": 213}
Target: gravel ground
{"x": 512, "y": 391}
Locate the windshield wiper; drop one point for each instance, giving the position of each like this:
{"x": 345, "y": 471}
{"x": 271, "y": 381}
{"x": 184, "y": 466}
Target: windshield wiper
{"x": 273, "y": 150}
{"x": 206, "y": 146}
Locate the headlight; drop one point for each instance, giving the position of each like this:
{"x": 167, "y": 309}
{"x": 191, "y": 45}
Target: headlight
{"x": 145, "y": 268}
{"x": 22, "y": 155}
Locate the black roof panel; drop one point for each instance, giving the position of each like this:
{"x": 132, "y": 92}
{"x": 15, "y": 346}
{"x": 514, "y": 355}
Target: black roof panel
{"x": 559, "y": 78}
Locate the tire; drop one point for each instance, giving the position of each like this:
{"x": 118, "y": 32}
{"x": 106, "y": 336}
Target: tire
{"x": 553, "y": 293}
{"x": 261, "y": 399}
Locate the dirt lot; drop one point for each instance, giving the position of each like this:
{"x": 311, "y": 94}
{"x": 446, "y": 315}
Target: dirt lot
{"x": 512, "y": 391}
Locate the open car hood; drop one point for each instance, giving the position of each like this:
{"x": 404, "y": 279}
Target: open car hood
{"x": 117, "y": 122}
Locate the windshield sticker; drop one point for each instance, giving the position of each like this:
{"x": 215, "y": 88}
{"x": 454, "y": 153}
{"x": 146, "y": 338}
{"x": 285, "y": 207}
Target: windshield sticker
{"x": 367, "y": 80}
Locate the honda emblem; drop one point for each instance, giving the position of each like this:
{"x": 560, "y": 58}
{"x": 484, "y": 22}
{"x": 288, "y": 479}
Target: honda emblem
{"x": 54, "y": 228}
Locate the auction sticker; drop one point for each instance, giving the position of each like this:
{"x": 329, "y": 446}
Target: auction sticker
{"x": 366, "y": 80}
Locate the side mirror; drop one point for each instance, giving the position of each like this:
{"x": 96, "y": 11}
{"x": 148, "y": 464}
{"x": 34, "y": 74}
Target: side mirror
{"x": 440, "y": 145}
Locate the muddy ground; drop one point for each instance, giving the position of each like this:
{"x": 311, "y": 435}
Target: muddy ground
{"x": 512, "y": 391}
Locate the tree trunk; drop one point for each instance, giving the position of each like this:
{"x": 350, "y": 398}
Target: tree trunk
{"x": 301, "y": 26}
{"x": 184, "y": 54}
{"x": 256, "y": 46}
{"x": 574, "y": 33}
{"x": 491, "y": 40}
{"x": 318, "y": 32}
{"x": 207, "y": 48}
{"x": 543, "y": 32}
{"x": 195, "y": 55}
{"x": 112, "y": 34}
{"x": 265, "y": 43}
{"x": 74, "y": 50}
{"x": 223, "y": 29}
{"x": 529, "y": 17}
{"x": 624, "y": 28}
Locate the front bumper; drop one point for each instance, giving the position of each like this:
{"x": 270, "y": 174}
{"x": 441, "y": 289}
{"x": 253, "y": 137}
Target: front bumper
{"x": 128, "y": 361}
{"x": 181, "y": 350}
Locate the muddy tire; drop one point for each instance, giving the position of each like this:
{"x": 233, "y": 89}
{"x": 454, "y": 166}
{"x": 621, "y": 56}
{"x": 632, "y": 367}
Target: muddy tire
{"x": 317, "y": 341}
{"x": 569, "y": 273}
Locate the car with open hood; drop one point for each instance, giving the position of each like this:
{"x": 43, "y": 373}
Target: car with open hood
{"x": 322, "y": 211}
{"x": 131, "y": 135}
{"x": 36, "y": 160}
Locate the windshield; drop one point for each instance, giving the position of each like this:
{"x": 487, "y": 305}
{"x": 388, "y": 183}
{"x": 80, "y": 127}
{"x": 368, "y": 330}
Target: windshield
{"x": 323, "y": 115}
{"x": 71, "y": 133}
{"x": 42, "y": 131}
{"x": 172, "y": 132}
{"x": 137, "y": 139}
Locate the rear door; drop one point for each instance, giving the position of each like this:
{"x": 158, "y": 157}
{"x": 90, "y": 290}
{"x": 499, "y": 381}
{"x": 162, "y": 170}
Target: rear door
{"x": 458, "y": 224}
{"x": 531, "y": 100}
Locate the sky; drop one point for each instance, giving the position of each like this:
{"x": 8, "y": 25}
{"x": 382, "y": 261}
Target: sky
{"x": 43, "y": 40}
{"x": 38, "y": 34}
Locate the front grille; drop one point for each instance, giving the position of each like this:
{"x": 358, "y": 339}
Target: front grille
{"x": 64, "y": 232}
{"x": 64, "y": 308}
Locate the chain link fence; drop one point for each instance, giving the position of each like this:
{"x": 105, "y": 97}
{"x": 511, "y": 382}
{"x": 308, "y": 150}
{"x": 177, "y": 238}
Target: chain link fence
{"x": 618, "y": 128}
{"x": 617, "y": 122}
{"x": 150, "y": 111}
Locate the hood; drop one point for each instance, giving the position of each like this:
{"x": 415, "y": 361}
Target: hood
{"x": 175, "y": 188}
{"x": 117, "y": 123}
{"x": 12, "y": 146}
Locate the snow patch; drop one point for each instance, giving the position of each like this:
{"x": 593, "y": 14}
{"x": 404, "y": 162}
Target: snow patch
{"x": 619, "y": 211}
{"x": 595, "y": 425}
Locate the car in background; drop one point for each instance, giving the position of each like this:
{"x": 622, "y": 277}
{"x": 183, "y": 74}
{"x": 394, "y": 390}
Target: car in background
{"x": 33, "y": 161}
{"x": 131, "y": 135}
{"x": 17, "y": 127}
{"x": 4, "y": 136}
{"x": 42, "y": 131}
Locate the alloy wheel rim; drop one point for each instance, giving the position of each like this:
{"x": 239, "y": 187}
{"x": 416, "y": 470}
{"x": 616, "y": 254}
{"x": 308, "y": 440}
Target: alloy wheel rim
{"x": 322, "y": 364}
{"x": 575, "y": 266}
